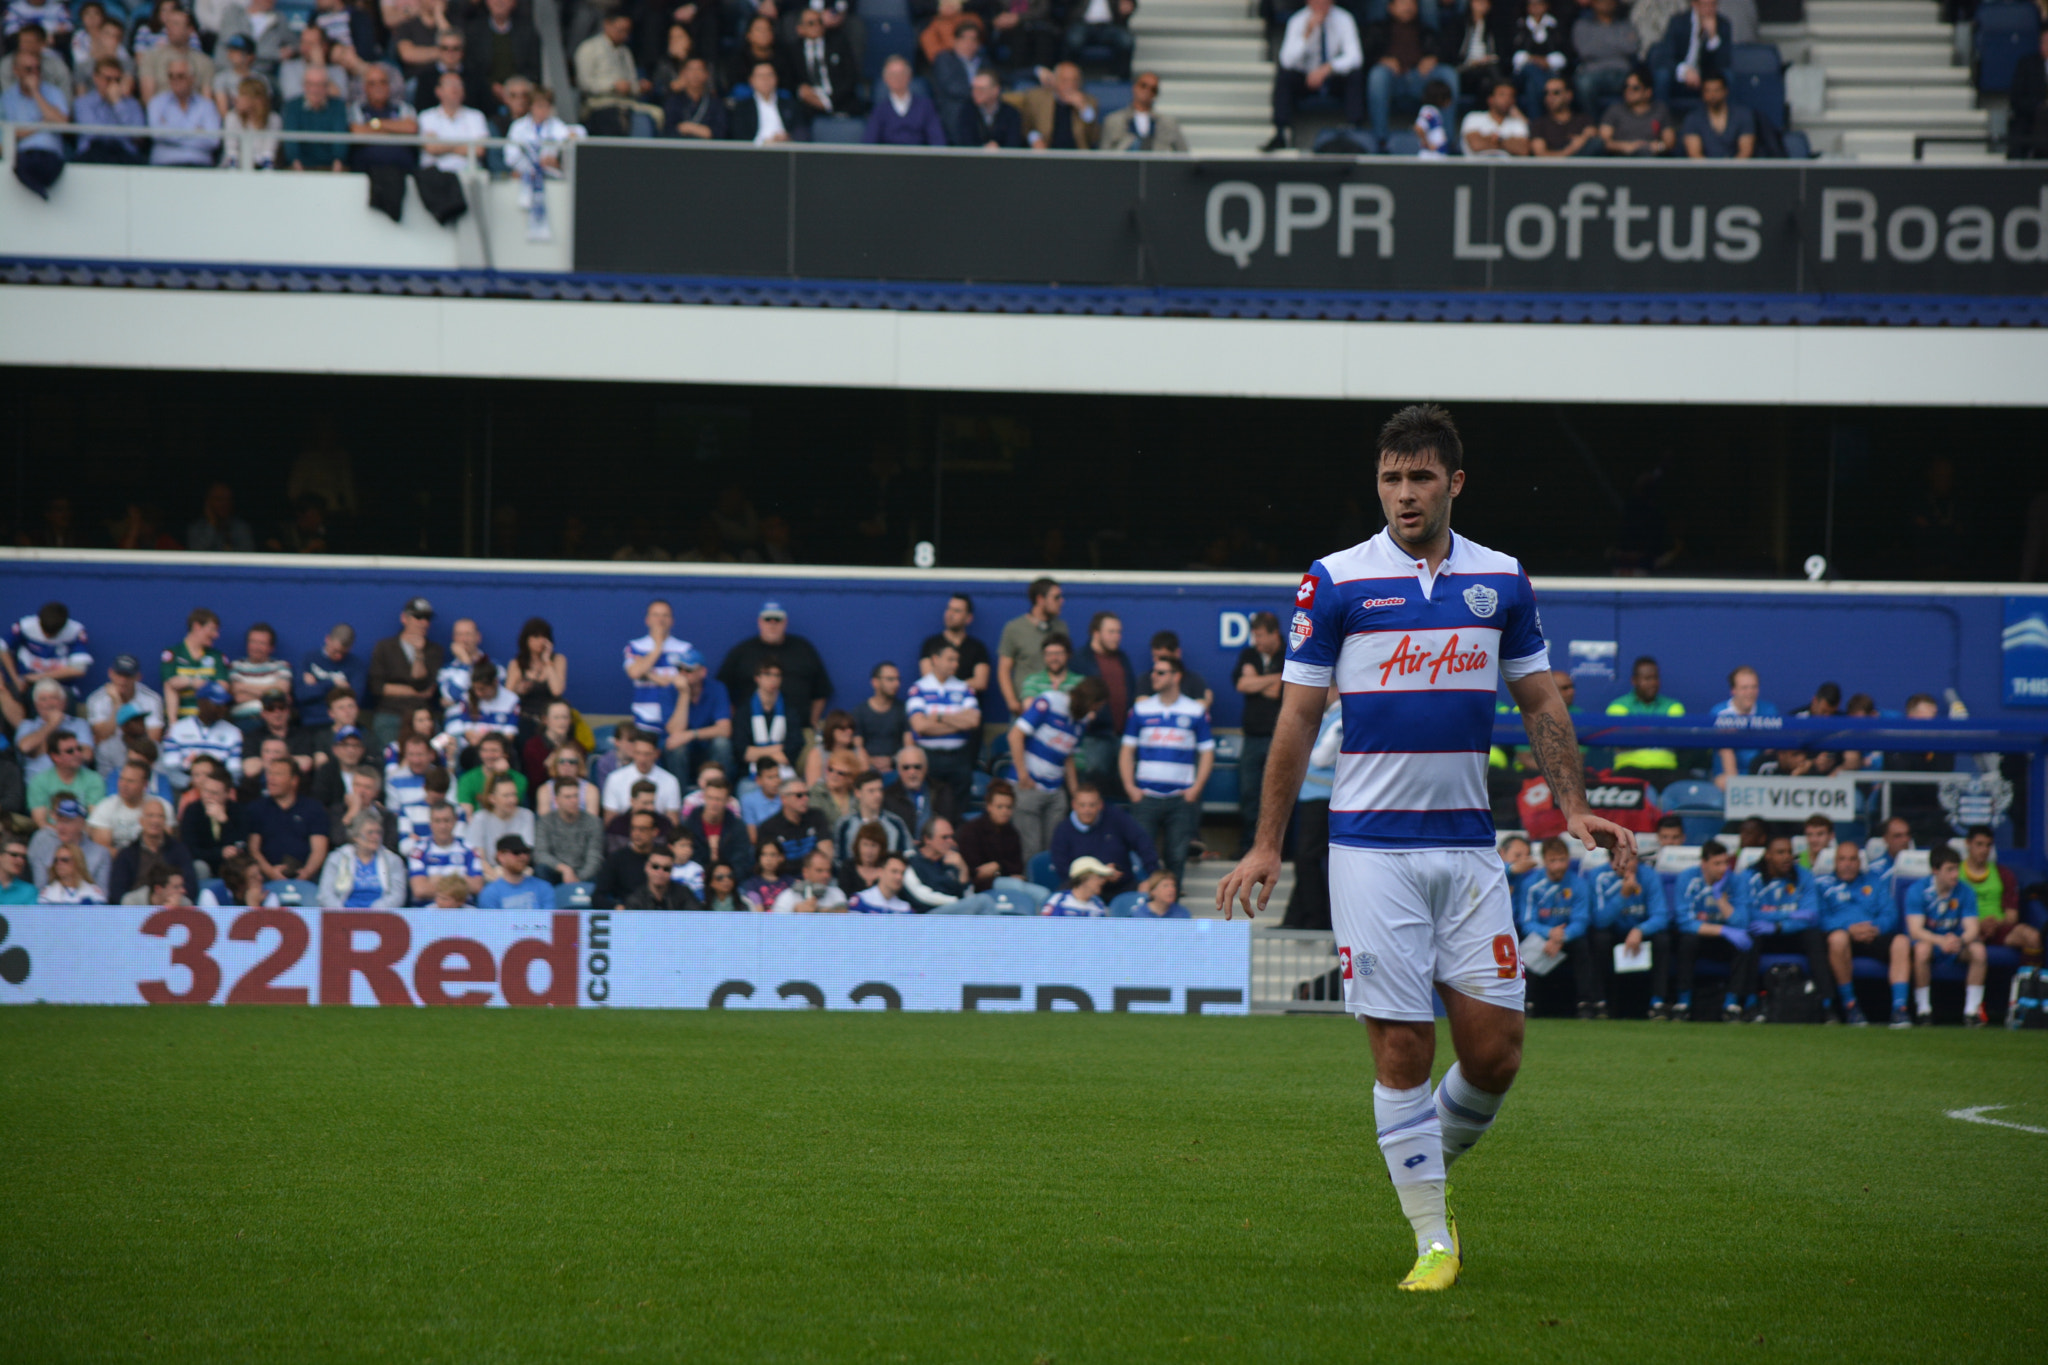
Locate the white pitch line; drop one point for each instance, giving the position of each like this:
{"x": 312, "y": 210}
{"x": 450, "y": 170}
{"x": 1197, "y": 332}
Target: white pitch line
{"x": 1976, "y": 1115}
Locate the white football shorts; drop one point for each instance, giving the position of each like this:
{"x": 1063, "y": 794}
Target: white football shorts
{"x": 1405, "y": 921}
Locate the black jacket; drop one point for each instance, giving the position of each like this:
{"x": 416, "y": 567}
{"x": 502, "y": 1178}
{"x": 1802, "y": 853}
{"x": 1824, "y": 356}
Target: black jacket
{"x": 123, "y": 876}
{"x": 622, "y": 873}
{"x": 1378, "y": 37}
{"x": 1671, "y": 48}
{"x": 476, "y": 51}
{"x": 840, "y": 66}
{"x": 679, "y": 897}
{"x": 709, "y": 111}
{"x": 970, "y": 129}
{"x": 897, "y": 800}
{"x": 2029, "y": 89}
{"x": 732, "y": 845}
{"x": 804, "y": 679}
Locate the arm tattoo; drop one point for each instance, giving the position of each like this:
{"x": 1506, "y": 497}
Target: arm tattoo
{"x": 1556, "y": 749}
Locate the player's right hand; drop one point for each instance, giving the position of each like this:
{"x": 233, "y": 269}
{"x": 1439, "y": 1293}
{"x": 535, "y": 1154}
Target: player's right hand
{"x": 1261, "y": 869}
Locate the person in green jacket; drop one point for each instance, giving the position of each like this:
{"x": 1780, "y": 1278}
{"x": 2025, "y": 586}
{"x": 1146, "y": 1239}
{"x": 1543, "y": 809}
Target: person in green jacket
{"x": 1645, "y": 699}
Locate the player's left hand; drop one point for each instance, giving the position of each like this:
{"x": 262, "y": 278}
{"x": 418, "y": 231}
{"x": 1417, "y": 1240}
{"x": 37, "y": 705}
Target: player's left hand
{"x": 1594, "y": 829}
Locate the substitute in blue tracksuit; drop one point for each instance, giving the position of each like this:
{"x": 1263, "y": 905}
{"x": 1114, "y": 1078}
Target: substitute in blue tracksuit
{"x": 1709, "y": 922}
{"x": 1784, "y": 909}
{"x": 1630, "y": 911}
{"x": 1941, "y": 920}
{"x": 1558, "y": 905}
{"x": 1860, "y": 919}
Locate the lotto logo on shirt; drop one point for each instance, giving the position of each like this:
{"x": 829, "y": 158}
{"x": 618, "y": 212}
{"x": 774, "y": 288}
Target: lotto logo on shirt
{"x": 1305, "y": 595}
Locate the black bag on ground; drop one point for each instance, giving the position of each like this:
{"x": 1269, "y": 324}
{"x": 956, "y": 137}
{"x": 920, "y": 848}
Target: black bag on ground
{"x": 2029, "y": 999}
{"x": 1787, "y": 998}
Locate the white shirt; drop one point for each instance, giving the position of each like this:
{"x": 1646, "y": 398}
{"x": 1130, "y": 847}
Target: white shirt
{"x": 103, "y": 705}
{"x": 525, "y": 135}
{"x": 618, "y": 789}
{"x": 1483, "y": 121}
{"x": 769, "y": 120}
{"x": 123, "y": 822}
{"x": 1098, "y": 12}
{"x": 1336, "y": 43}
{"x": 461, "y": 126}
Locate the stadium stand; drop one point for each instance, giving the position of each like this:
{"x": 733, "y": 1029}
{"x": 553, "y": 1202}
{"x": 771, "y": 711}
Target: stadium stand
{"x": 389, "y": 819}
{"x": 1883, "y": 73}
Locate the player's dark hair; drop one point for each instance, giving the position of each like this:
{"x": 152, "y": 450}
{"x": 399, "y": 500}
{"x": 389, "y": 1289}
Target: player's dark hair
{"x": 1555, "y": 845}
{"x": 1713, "y": 848}
{"x": 53, "y": 617}
{"x": 1423, "y": 429}
{"x": 1819, "y": 821}
{"x": 1039, "y": 588}
{"x": 1671, "y": 822}
{"x": 1941, "y": 855}
{"x": 1977, "y": 831}
{"x": 1829, "y": 692}
{"x": 1861, "y": 704}
{"x": 1642, "y": 659}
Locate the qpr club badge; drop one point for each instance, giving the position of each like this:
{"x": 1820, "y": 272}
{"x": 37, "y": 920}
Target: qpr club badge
{"x": 1300, "y": 631}
{"x": 1483, "y": 600}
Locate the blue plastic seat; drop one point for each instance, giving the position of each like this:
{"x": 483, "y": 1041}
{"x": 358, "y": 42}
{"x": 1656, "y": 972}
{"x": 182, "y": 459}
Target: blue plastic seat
{"x": 574, "y": 895}
{"x": 1797, "y": 146}
{"x": 1121, "y": 907}
{"x": 888, "y": 38}
{"x": 836, "y": 128}
{"x": 1402, "y": 142}
{"x": 219, "y": 888}
{"x": 2006, "y": 32}
{"x": 1692, "y": 793}
{"x": 1039, "y": 870}
{"x": 1110, "y": 95}
{"x": 871, "y": 10}
{"x": 1756, "y": 81}
{"x": 295, "y": 891}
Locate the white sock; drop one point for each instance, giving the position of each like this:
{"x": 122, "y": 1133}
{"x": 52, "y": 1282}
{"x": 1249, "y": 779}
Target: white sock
{"x": 1923, "y": 999}
{"x": 1413, "y": 1143}
{"x": 1973, "y": 999}
{"x": 1464, "y": 1112}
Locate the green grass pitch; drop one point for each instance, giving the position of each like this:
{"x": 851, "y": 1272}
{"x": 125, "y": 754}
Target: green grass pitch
{"x": 299, "y": 1185}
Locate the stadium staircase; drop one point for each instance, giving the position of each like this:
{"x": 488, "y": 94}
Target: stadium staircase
{"x": 1198, "y": 893}
{"x": 1213, "y": 72}
{"x": 1892, "y": 74}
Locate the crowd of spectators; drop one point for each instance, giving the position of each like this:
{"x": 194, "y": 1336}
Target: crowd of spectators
{"x": 423, "y": 771}
{"x": 1524, "y": 78}
{"x": 243, "y": 82}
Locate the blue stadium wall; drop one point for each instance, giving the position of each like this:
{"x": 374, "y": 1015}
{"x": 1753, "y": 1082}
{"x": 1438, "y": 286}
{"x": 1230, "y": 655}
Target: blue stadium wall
{"x": 1888, "y": 640}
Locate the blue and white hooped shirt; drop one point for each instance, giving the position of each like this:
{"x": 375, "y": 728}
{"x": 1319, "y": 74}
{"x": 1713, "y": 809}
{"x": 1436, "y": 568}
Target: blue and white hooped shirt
{"x": 1418, "y": 658}
{"x": 1168, "y": 740}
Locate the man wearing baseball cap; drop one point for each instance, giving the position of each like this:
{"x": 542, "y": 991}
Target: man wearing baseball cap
{"x": 514, "y": 889}
{"x": 131, "y": 729}
{"x": 806, "y": 686}
{"x": 67, "y": 827}
{"x": 123, "y": 688}
{"x": 403, "y": 670}
{"x": 206, "y": 731}
{"x": 700, "y": 731}
{"x": 330, "y": 781}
